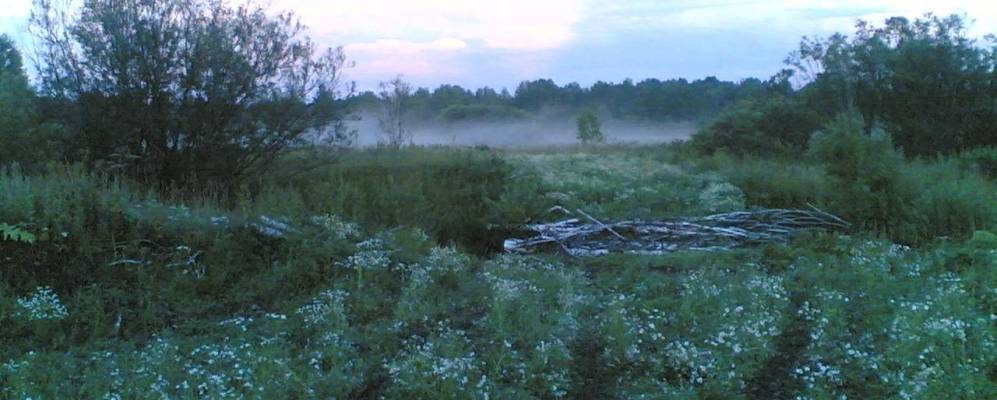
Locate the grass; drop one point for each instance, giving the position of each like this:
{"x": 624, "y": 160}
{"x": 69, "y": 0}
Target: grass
{"x": 376, "y": 277}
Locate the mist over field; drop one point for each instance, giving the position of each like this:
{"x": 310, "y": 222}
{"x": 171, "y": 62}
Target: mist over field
{"x": 550, "y": 129}
{"x": 203, "y": 199}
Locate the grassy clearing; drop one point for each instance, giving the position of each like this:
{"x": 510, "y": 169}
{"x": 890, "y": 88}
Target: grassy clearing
{"x": 360, "y": 279}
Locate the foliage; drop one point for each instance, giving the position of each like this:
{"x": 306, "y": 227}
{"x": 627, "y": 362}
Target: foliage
{"x": 950, "y": 202}
{"x": 983, "y": 160}
{"x": 178, "y": 89}
{"x": 647, "y": 100}
{"x": 772, "y": 126}
{"x": 378, "y": 276}
{"x": 140, "y": 299}
{"x": 25, "y": 138}
{"x": 453, "y": 195}
{"x": 15, "y": 234}
{"x": 865, "y": 169}
{"x": 479, "y": 112}
{"x": 615, "y": 184}
{"x": 770, "y": 183}
{"x": 589, "y": 128}
{"x": 896, "y": 74}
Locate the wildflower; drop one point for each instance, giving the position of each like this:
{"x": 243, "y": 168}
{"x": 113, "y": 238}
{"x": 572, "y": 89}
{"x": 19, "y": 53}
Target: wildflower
{"x": 336, "y": 226}
{"x": 371, "y": 254}
{"x": 43, "y": 305}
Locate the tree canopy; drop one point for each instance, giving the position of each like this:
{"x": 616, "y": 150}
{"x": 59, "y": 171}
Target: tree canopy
{"x": 174, "y": 90}
{"x": 925, "y": 81}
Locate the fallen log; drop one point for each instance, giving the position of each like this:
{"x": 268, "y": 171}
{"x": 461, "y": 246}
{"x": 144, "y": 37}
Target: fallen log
{"x": 711, "y": 233}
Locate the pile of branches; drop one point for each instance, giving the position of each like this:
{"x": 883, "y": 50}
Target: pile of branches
{"x": 587, "y": 236}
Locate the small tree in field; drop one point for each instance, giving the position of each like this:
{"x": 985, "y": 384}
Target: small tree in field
{"x": 393, "y": 95}
{"x": 589, "y": 128}
{"x": 186, "y": 89}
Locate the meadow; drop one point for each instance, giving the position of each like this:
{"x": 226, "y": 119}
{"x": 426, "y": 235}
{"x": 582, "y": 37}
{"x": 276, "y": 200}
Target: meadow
{"x": 188, "y": 211}
{"x": 381, "y": 276}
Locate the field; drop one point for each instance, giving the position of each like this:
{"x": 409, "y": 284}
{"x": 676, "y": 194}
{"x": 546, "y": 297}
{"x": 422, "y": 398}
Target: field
{"x": 381, "y": 276}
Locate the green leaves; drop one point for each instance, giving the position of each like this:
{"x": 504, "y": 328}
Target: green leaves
{"x": 984, "y": 239}
{"x": 589, "y": 128}
{"x": 16, "y": 234}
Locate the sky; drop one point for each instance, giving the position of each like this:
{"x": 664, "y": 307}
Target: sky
{"x": 501, "y": 43}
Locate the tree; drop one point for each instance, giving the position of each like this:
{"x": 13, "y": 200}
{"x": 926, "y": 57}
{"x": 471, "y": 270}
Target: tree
{"x": 16, "y": 109}
{"x": 393, "y": 95}
{"x": 181, "y": 89}
{"x": 925, "y": 81}
{"x": 770, "y": 126}
{"x": 589, "y": 128}
{"x": 24, "y": 139}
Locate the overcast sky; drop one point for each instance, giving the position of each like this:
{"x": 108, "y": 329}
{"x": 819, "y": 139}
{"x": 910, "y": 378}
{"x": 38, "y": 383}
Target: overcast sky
{"x": 500, "y": 43}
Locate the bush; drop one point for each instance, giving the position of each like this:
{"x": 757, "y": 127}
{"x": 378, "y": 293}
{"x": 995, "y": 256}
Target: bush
{"x": 450, "y": 194}
{"x": 589, "y": 128}
{"x": 983, "y": 160}
{"x": 770, "y": 183}
{"x": 950, "y": 201}
{"x": 868, "y": 188}
{"x": 910, "y": 201}
{"x": 772, "y": 126}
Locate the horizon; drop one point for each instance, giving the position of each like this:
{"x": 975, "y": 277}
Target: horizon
{"x": 479, "y": 44}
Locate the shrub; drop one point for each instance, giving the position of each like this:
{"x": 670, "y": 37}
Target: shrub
{"x": 771, "y": 126}
{"x": 449, "y": 194}
{"x": 949, "y": 202}
{"x": 865, "y": 174}
{"x": 770, "y": 183}
{"x": 589, "y": 128}
{"x": 983, "y": 160}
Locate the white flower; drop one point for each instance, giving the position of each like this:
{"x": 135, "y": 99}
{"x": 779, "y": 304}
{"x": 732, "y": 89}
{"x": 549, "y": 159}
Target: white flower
{"x": 43, "y": 305}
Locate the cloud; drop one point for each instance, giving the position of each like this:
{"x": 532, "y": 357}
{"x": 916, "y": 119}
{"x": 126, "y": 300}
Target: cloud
{"x": 755, "y": 16}
{"x": 388, "y": 57}
{"x": 510, "y": 24}
{"x": 434, "y": 41}
{"x": 396, "y": 46}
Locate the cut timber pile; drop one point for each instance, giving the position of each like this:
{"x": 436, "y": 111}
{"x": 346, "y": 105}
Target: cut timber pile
{"x": 590, "y": 237}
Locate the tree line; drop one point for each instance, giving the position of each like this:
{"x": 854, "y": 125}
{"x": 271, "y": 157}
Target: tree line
{"x": 646, "y": 100}
{"x": 924, "y": 82}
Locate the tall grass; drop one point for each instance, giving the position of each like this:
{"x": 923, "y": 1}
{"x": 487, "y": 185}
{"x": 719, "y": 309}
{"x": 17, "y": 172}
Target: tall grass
{"x": 449, "y": 193}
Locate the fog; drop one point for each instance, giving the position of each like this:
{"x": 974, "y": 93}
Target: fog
{"x": 543, "y": 131}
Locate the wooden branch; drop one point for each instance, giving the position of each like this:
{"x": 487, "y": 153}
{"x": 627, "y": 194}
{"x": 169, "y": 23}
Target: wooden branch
{"x": 710, "y": 233}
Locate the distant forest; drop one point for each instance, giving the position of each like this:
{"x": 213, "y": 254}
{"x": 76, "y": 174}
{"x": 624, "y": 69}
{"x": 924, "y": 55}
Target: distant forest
{"x": 647, "y": 100}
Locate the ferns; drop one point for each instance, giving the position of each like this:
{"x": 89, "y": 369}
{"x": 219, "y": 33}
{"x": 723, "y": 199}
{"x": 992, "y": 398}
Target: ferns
{"x": 14, "y": 233}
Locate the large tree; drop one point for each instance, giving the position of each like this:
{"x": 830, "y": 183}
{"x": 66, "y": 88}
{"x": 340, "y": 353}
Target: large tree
{"x": 174, "y": 90}
{"x": 932, "y": 87}
{"x": 24, "y": 138}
